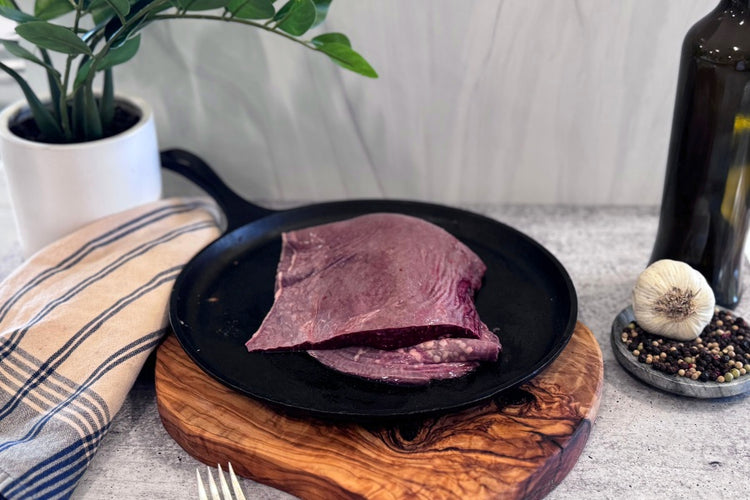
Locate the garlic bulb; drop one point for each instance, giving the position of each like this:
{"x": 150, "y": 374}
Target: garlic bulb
{"x": 673, "y": 300}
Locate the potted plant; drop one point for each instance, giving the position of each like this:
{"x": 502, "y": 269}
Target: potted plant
{"x": 81, "y": 151}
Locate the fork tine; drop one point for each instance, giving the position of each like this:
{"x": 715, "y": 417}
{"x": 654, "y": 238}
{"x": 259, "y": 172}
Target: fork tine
{"x": 201, "y": 488}
{"x": 235, "y": 484}
{"x": 212, "y": 485}
{"x": 226, "y": 494}
{"x": 223, "y": 483}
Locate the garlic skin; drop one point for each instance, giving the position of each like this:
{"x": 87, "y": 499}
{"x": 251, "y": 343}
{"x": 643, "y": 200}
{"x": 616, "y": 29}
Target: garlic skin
{"x": 673, "y": 300}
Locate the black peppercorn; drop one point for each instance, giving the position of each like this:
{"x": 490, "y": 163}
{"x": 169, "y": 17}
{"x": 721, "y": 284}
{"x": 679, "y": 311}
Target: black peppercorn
{"x": 710, "y": 357}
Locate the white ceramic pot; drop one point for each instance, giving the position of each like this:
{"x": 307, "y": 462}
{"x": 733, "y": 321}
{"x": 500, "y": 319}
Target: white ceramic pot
{"x": 57, "y": 188}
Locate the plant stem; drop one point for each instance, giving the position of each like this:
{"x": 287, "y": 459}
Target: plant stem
{"x": 248, "y": 23}
{"x": 64, "y": 117}
{"x": 137, "y": 18}
{"x": 186, "y": 7}
{"x": 55, "y": 90}
{"x": 130, "y": 22}
{"x": 234, "y": 20}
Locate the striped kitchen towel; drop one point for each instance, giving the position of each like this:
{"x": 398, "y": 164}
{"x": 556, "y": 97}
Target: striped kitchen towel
{"x": 77, "y": 322}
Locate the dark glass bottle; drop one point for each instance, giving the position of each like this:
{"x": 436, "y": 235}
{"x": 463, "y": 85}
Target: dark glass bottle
{"x": 704, "y": 208}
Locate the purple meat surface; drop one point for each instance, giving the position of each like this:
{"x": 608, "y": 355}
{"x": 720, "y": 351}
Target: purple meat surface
{"x": 419, "y": 364}
{"x": 379, "y": 280}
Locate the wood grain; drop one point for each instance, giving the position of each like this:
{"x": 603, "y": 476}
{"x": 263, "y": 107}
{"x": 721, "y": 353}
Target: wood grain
{"x": 518, "y": 446}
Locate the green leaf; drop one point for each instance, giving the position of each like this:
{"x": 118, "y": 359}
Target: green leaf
{"x": 114, "y": 28}
{"x": 344, "y": 56}
{"x": 52, "y": 37}
{"x": 101, "y": 12}
{"x": 121, "y": 7}
{"x": 92, "y": 123}
{"x": 107, "y": 101}
{"x": 18, "y": 51}
{"x": 76, "y": 113}
{"x": 89, "y": 35}
{"x": 191, "y": 5}
{"x": 325, "y": 38}
{"x": 283, "y": 10}
{"x": 42, "y": 116}
{"x": 53, "y": 79}
{"x": 121, "y": 54}
{"x": 252, "y": 9}
{"x": 299, "y": 17}
{"x": 16, "y": 15}
{"x": 321, "y": 10}
{"x": 50, "y": 9}
{"x": 82, "y": 74}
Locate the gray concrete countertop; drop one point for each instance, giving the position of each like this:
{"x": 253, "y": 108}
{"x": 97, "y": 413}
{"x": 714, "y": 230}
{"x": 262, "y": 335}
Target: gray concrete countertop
{"x": 645, "y": 443}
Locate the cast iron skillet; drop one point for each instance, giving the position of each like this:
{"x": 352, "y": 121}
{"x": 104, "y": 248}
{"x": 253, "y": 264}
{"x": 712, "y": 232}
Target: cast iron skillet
{"x": 225, "y": 291}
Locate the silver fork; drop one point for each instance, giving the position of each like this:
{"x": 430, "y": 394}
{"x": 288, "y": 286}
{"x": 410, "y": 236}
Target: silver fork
{"x": 226, "y": 494}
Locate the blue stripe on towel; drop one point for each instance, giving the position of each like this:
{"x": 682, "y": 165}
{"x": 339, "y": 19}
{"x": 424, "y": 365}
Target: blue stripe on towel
{"x": 76, "y": 453}
{"x": 56, "y": 402}
{"x": 99, "y": 242}
{"x": 53, "y": 469}
{"x": 46, "y": 399}
{"x": 25, "y": 362}
{"x": 133, "y": 349}
{"x": 9, "y": 343}
{"x": 79, "y": 337}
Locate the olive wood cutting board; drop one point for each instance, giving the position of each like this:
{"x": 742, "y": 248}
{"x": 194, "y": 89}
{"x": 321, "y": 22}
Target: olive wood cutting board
{"x": 520, "y": 445}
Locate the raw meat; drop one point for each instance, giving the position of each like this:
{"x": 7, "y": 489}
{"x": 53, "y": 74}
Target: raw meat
{"x": 378, "y": 280}
{"x": 409, "y": 374}
{"x": 431, "y": 360}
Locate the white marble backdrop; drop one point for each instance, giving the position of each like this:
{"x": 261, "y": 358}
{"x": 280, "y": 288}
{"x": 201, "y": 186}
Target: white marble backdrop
{"x": 516, "y": 101}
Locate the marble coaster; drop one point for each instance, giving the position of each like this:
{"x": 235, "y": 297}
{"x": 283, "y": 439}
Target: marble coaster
{"x": 669, "y": 383}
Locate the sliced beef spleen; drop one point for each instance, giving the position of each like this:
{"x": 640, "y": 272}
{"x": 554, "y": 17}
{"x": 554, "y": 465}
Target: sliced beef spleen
{"x": 418, "y": 364}
{"x": 380, "y": 280}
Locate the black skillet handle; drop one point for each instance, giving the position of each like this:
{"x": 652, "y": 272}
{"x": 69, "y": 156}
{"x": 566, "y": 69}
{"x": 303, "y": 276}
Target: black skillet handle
{"x": 237, "y": 210}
